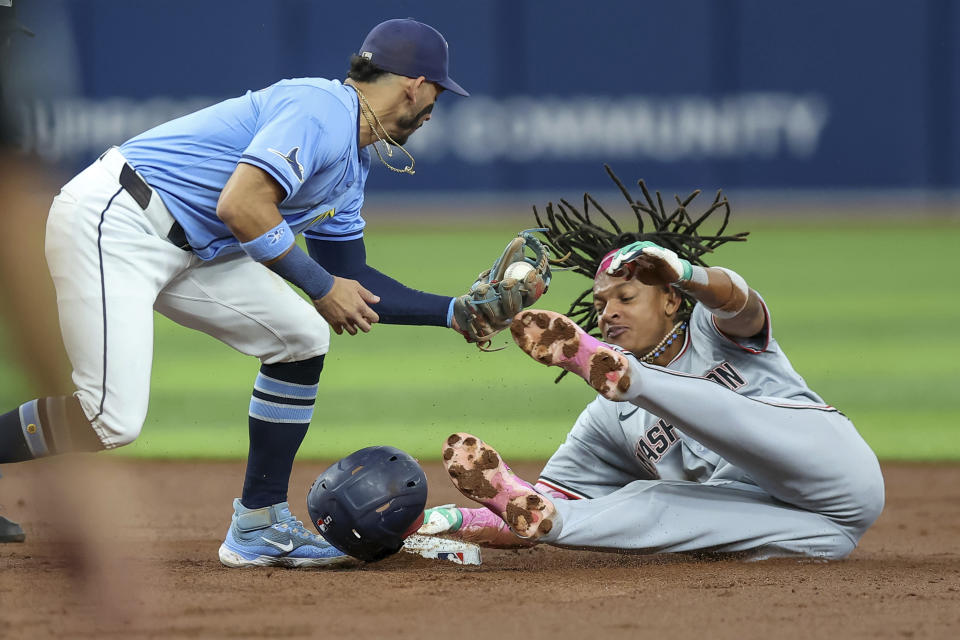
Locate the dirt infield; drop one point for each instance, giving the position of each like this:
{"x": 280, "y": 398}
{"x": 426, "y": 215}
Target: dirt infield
{"x": 140, "y": 561}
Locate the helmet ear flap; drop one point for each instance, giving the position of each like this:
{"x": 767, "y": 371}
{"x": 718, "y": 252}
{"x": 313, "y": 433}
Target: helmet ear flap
{"x": 367, "y": 503}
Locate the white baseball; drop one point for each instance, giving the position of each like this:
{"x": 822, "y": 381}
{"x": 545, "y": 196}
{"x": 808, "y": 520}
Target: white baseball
{"x": 518, "y": 270}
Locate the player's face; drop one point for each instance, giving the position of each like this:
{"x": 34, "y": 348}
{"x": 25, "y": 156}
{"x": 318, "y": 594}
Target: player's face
{"x": 419, "y": 113}
{"x": 633, "y": 315}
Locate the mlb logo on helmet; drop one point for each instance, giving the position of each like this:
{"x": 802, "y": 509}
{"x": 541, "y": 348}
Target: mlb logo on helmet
{"x": 323, "y": 523}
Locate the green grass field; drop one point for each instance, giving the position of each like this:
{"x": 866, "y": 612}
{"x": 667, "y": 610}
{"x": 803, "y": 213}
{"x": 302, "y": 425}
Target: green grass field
{"x": 868, "y": 317}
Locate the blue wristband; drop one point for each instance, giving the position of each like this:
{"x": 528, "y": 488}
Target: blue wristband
{"x": 271, "y": 244}
{"x": 450, "y": 312}
{"x": 303, "y": 271}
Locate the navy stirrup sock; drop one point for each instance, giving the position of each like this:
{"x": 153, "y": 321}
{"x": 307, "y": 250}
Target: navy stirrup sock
{"x": 46, "y": 427}
{"x": 21, "y": 434}
{"x": 280, "y": 412}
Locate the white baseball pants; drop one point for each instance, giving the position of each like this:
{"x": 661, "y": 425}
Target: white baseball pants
{"x": 112, "y": 266}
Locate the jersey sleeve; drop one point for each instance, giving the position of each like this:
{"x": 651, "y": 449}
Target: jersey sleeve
{"x": 704, "y": 324}
{"x": 299, "y": 132}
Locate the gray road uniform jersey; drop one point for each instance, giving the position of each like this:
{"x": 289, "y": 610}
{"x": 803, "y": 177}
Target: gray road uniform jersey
{"x": 725, "y": 449}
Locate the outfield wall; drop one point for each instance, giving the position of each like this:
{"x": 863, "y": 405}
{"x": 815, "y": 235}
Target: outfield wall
{"x": 844, "y": 95}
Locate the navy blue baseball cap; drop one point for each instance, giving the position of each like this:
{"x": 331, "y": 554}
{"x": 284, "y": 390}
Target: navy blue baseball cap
{"x": 410, "y": 48}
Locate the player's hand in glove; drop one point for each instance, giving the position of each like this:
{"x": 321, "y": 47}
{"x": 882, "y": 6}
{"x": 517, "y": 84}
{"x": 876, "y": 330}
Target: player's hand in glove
{"x": 512, "y": 284}
{"x": 651, "y": 264}
{"x": 346, "y": 307}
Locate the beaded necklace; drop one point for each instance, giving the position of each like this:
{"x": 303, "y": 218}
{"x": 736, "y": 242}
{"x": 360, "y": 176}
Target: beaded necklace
{"x": 668, "y": 339}
{"x": 406, "y": 169}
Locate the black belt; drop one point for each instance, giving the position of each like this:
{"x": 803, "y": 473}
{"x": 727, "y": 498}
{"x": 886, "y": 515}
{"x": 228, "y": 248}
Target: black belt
{"x": 141, "y": 192}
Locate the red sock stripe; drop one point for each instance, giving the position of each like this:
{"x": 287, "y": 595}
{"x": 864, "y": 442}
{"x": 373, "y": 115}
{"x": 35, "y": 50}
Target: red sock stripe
{"x": 565, "y": 492}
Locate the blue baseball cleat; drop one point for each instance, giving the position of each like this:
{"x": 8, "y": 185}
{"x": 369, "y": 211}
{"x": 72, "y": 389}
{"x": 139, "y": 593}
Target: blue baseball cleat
{"x": 10, "y": 531}
{"x": 273, "y": 537}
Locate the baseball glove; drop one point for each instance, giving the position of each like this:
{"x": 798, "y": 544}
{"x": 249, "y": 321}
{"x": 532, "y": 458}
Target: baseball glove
{"x": 513, "y": 283}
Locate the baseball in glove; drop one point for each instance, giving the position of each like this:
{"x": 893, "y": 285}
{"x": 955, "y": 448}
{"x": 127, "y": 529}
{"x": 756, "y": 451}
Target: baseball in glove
{"x": 514, "y": 282}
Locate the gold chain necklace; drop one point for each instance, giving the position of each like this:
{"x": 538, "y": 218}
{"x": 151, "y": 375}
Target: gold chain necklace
{"x": 668, "y": 339}
{"x": 407, "y": 169}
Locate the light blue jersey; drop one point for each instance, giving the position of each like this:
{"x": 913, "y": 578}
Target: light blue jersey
{"x": 303, "y": 132}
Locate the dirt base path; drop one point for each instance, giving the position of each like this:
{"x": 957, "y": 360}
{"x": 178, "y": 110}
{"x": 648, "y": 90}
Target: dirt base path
{"x": 132, "y": 552}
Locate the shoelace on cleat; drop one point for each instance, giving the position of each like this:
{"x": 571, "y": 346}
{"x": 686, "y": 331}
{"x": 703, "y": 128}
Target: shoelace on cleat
{"x": 295, "y": 527}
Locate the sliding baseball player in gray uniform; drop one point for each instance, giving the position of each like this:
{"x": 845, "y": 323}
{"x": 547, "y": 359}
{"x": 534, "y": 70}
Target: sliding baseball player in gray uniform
{"x": 703, "y": 438}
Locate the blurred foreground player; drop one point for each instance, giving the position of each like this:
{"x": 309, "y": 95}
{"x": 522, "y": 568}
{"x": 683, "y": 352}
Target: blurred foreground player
{"x": 19, "y": 176}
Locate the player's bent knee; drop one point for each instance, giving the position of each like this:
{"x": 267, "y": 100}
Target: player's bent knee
{"x": 311, "y": 339}
{"x": 867, "y": 497}
{"x": 115, "y": 428}
{"x": 870, "y": 503}
{"x": 115, "y": 433}
{"x": 122, "y": 440}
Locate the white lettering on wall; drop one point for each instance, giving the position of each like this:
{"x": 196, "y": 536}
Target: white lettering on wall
{"x": 481, "y": 130}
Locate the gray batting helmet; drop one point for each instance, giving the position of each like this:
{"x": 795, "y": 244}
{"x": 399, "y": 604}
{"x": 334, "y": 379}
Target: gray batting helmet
{"x": 368, "y": 502}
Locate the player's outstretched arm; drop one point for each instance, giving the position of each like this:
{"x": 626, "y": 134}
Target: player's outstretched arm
{"x": 399, "y": 304}
{"x": 497, "y": 295}
{"x": 736, "y": 307}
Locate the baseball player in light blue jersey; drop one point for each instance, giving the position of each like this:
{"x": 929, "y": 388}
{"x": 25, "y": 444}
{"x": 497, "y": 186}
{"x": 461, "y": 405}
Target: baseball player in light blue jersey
{"x": 703, "y": 438}
{"x": 196, "y": 219}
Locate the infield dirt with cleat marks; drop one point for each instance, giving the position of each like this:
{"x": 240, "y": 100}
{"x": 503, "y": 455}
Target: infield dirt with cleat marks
{"x": 147, "y": 567}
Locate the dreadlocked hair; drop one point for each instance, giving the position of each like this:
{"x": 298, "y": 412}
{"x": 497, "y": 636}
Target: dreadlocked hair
{"x": 584, "y": 238}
